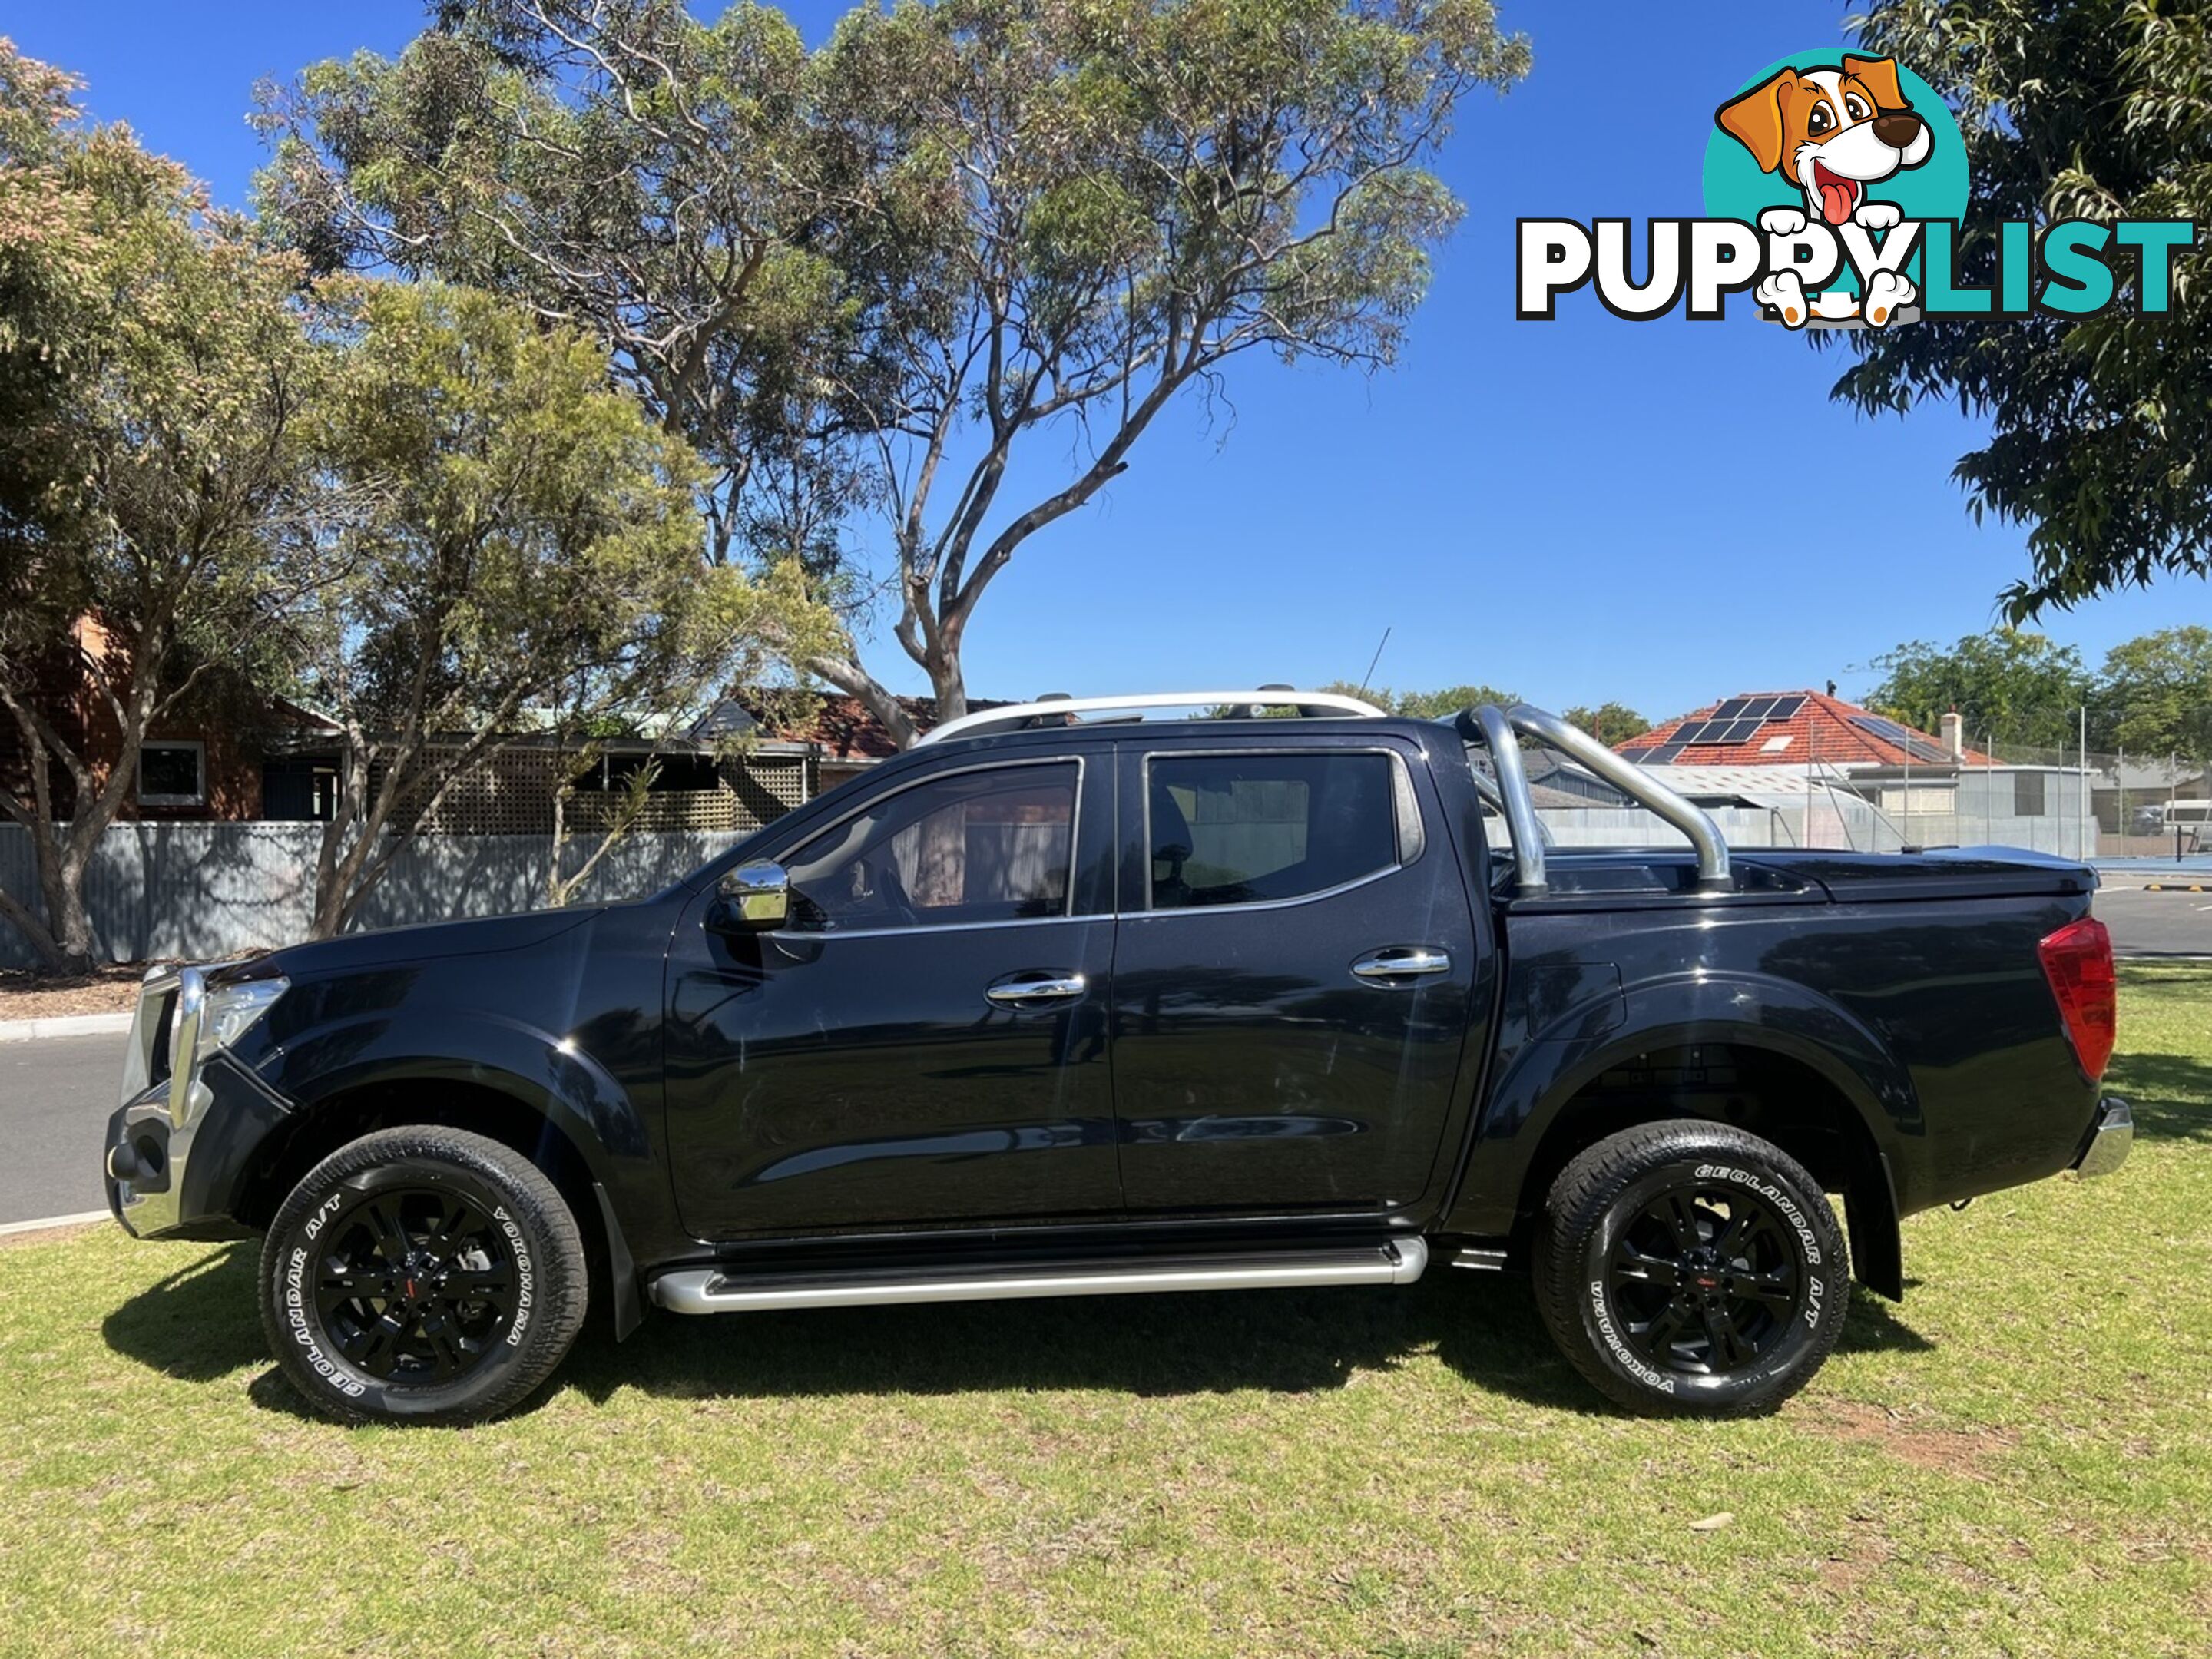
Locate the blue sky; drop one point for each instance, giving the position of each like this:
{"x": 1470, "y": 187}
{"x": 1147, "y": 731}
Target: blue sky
{"x": 1661, "y": 513}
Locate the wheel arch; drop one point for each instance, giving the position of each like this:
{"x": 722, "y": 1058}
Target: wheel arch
{"x": 1769, "y": 1093}
{"x": 498, "y": 1106}
{"x": 1770, "y": 1057}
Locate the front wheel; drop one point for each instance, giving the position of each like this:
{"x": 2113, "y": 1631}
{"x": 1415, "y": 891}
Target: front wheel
{"x": 1689, "y": 1269}
{"x": 424, "y": 1275}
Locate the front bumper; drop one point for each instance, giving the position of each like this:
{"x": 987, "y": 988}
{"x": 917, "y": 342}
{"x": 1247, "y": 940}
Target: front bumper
{"x": 189, "y": 1123}
{"x": 2110, "y": 1138}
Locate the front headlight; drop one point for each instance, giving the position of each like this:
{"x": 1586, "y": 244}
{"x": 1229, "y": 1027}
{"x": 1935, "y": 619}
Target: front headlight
{"x": 230, "y": 1010}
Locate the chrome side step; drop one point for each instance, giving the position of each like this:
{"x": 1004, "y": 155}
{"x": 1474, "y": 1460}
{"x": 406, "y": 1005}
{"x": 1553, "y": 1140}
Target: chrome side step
{"x": 712, "y": 1290}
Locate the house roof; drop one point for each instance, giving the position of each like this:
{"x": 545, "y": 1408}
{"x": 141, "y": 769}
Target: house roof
{"x": 1789, "y": 728}
{"x": 839, "y": 726}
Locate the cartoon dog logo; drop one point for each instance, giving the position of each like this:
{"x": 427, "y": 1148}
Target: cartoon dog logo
{"x": 1831, "y": 132}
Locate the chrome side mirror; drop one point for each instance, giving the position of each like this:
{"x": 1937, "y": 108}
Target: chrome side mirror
{"x": 756, "y": 896}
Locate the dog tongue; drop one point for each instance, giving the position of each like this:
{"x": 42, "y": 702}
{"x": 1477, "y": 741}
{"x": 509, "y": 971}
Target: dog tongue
{"x": 1835, "y": 202}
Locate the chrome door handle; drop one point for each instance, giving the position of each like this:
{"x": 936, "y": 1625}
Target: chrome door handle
{"x": 1402, "y": 961}
{"x": 1028, "y": 992}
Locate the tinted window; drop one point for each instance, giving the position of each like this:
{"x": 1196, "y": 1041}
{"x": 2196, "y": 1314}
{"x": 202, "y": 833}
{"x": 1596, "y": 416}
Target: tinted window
{"x": 1247, "y": 828}
{"x": 991, "y": 846}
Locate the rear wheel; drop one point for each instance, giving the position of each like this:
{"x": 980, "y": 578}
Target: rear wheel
{"x": 1687, "y": 1267}
{"x": 424, "y": 1275}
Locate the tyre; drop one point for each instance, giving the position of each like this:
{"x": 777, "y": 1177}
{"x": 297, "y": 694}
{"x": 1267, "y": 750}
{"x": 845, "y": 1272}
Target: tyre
{"x": 422, "y": 1275}
{"x": 1688, "y": 1268}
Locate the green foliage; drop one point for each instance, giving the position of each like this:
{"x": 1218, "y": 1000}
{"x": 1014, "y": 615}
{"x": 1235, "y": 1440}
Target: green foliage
{"x": 2151, "y": 696}
{"x": 520, "y": 536}
{"x": 1426, "y": 705}
{"x": 2099, "y": 426}
{"x": 1609, "y": 722}
{"x": 2010, "y": 686}
{"x": 2155, "y": 697}
{"x": 154, "y": 477}
{"x": 518, "y": 518}
{"x": 867, "y": 281}
{"x": 623, "y": 168}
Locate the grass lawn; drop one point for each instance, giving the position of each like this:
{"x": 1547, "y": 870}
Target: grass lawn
{"x": 2018, "y": 1460}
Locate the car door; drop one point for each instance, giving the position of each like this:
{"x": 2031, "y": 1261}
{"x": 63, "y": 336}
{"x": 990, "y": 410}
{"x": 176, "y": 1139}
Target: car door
{"x": 925, "y": 1041}
{"x": 1294, "y": 977}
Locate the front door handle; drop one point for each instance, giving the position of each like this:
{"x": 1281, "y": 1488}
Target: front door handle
{"x": 1027, "y": 990}
{"x": 1397, "y": 962}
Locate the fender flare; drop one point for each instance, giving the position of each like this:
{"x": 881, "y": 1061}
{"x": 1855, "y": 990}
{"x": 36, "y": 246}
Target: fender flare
{"x": 572, "y": 1092}
{"x": 1537, "y": 1082}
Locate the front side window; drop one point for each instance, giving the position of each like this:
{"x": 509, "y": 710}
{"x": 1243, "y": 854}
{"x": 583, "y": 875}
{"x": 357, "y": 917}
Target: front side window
{"x": 1255, "y": 829}
{"x": 973, "y": 847}
{"x": 172, "y": 774}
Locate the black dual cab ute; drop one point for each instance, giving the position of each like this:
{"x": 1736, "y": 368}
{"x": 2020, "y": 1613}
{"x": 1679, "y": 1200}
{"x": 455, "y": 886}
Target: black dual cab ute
{"x": 1069, "y": 1001}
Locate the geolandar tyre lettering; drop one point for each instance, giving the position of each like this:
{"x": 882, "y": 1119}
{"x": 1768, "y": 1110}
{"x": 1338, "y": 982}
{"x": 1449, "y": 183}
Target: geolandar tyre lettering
{"x": 1690, "y": 1268}
{"x": 425, "y": 1275}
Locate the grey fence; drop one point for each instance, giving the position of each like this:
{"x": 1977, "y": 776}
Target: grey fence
{"x": 206, "y": 890}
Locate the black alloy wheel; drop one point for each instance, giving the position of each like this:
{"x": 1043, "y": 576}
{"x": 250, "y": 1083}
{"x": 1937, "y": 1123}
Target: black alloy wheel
{"x": 1690, "y": 1268}
{"x": 416, "y": 1285}
{"x": 423, "y": 1274}
{"x": 1705, "y": 1278}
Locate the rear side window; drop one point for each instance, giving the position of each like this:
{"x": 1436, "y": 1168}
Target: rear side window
{"x": 1259, "y": 829}
{"x": 968, "y": 848}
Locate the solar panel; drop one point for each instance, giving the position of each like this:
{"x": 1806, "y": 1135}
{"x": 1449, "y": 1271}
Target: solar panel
{"x": 1741, "y": 730}
{"x": 1661, "y": 756}
{"x": 1737, "y": 720}
{"x": 1911, "y": 742}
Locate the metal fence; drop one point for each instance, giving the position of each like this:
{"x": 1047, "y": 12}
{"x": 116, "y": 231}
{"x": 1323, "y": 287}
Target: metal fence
{"x": 208, "y": 891}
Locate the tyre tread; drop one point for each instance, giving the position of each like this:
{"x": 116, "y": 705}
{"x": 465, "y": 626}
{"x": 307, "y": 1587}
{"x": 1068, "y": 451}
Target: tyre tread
{"x": 1587, "y": 1187}
{"x": 566, "y": 1286}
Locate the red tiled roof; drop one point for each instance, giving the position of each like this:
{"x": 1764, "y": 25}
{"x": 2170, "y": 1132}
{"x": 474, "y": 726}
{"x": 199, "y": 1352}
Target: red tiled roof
{"x": 1823, "y": 730}
{"x": 846, "y": 731}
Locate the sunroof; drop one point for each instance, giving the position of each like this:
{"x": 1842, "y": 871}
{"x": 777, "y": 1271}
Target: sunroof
{"x": 1909, "y": 741}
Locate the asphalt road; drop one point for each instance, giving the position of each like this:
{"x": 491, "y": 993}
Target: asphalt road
{"x": 55, "y": 1096}
{"x": 2162, "y": 924}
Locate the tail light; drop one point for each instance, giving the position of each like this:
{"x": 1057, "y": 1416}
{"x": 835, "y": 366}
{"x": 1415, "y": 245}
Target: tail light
{"x": 2077, "y": 960}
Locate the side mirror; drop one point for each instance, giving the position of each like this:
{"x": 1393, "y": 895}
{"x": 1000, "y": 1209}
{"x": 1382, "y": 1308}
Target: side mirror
{"x": 757, "y": 897}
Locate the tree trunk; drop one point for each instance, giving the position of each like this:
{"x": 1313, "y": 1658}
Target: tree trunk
{"x": 848, "y": 677}
{"x": 60, "y": 950}
{"x": 68, "y": 923}
{"x": 946, "y": 680}
{"x": 63, "y": 937}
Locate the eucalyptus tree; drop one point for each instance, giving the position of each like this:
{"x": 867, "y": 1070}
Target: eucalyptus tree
{"x": 521, "y": 538}
{"x": 959, "y": 245}
{"x": 1078, "y": 212}
{"x": 156, "y": 492}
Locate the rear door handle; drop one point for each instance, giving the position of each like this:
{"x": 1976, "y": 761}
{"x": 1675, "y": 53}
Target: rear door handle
{"x": 1395, "y": 961}
{"x": 1027, "y": 990}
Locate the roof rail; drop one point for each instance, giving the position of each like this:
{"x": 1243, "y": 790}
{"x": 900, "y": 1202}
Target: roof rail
{"x": 1015, "y": 716}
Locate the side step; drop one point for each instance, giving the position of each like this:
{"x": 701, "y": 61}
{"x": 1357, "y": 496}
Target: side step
{"x": 711, "y": 1290}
